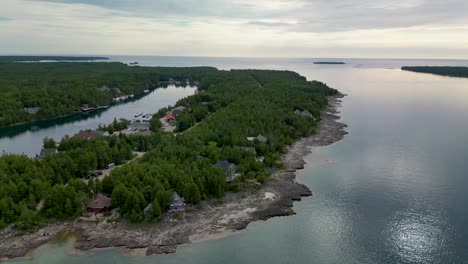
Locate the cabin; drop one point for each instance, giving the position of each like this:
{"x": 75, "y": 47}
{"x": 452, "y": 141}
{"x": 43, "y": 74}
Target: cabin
{"x": 304, "y": 113}
{"x": 177, "y": 203}
{"x": 259, "y": 138}
{"x": 228, "y": 168}
{"x": 100, "y": 204}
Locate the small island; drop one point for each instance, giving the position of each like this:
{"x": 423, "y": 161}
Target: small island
{"x": 329, "y": 62}
{"x": 450, "y": 71}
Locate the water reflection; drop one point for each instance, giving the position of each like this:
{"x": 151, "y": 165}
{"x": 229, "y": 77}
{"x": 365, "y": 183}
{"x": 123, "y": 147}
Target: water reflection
{"x": 417, "y": 237}
{"x": 28, "y": 138}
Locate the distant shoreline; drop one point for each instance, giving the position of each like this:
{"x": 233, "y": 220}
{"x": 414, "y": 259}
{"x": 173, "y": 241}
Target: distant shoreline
{"x": 329, "y": 62}
{"x": 49, "y": 58}
{"x": 450, "y": 71}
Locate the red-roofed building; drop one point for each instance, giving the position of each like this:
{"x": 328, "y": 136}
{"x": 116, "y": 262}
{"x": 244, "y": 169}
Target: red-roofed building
{"x": 170, "y": 117}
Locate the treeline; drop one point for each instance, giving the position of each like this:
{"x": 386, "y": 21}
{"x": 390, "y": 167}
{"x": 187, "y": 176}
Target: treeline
{"x": 231, "y": 106}
{"x": 439, "y": 70}
{"x": 36, "y": 91}
{"x": 49, "y": 58}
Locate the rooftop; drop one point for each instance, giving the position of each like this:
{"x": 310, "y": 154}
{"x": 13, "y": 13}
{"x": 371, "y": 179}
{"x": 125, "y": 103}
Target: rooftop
{"x": 100, "y": 202}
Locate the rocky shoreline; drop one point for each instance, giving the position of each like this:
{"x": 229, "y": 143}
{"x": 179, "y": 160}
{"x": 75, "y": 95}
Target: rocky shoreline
{"x": 216, "y": 219}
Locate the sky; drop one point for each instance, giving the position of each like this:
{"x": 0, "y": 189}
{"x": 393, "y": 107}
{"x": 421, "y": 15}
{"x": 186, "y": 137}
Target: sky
{"x": 237, "y": 28}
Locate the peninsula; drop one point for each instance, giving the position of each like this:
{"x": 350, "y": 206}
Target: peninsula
{"x": 230, "y": 160}
{"x": 439, "y": 70}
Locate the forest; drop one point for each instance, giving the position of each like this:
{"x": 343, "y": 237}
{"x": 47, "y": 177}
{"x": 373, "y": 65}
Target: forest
{"x": 439, "y": 70}
{"x": 38, "y": 91}
{"x": 229, "y": 107}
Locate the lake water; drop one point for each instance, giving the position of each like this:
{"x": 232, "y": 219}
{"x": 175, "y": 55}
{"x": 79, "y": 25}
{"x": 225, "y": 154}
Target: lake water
{"x": 28, "y": 139}
{"x": 393, "y": 191}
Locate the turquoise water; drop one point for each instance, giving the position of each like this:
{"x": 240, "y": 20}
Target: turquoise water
{"x": 393, "y": 191}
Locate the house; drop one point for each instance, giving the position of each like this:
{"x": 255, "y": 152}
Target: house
{"x": 46, "y": 152}
{"x": 139, "y": 126}
{"x": 177, "y": 203}
{"x": 262, "y": 139}
{"x": 259, "y": 138}
{"x": 304, "y": 113}
{"x": 228, "y": 168}
{"x": 176, "y": 111}
{"x": 170, "y": 117}
{"x": 100, "y": 204}
{"x": 32, "y": 110}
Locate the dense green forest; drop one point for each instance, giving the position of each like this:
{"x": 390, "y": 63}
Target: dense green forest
{"x": 229, "y": 107}
{"x": 439, "y": 70}
{"x": 35, "y": 91}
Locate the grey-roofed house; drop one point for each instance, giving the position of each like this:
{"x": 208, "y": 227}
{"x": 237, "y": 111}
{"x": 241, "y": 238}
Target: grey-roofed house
{"x": 46, "y": 152}
{"x": 228, "y": 168}
{"x": 259, "y": 138}
{"x": 32, "y": 110}
{"x": 304, "y": 113}
{"x": 177, "y": 203}
{"x": 176, "y": 111}
{"x": 140, "y": 126}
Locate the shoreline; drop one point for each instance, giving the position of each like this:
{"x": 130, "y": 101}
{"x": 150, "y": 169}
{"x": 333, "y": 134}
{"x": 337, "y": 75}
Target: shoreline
{"x": 216, "y": 220}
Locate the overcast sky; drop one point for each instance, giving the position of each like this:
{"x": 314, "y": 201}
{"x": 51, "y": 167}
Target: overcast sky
{"x": 245, "y": 28}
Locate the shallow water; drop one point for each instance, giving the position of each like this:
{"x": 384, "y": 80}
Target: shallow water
{"x": 393, "y": 191}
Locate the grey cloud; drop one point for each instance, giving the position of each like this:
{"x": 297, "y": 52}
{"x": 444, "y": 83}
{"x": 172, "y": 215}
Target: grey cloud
{"x": 310, "y": 15}
{"x": 268, "y": 24}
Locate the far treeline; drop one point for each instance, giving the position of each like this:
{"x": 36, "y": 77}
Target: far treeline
{"x": 229, "y": 107}
{"x": 439, "y": 70}
{"x": 37, "y": 91}
{"x": 49, "y": 58}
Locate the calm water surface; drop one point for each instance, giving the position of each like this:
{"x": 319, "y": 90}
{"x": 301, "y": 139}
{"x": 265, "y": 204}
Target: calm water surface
{"x": 394, "y": 191}
{"x": 28, "y": 138}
